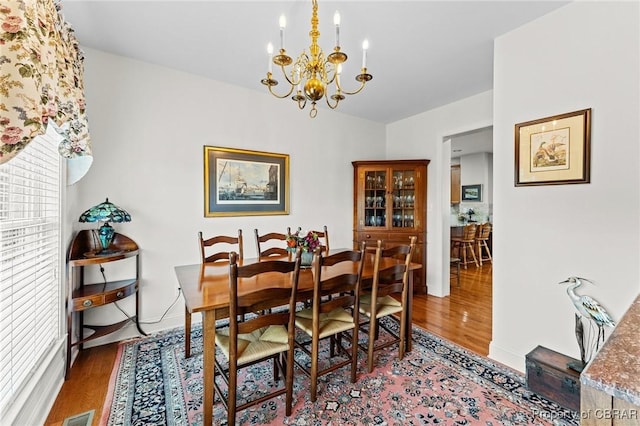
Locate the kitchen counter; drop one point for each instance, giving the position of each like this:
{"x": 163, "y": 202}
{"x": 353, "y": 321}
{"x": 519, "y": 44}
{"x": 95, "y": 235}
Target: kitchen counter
{"x": 616, "y": 367}
{"x": 455, "y": 223}
{"x": 611, "y": 381}
{"x": 456, "y": 227}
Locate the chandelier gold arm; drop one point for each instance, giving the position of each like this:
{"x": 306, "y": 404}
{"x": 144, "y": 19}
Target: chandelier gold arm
{"x": 270, "y": 82}
{"x": 300, "y": 99}
{"x": 337, "y": 97}
{"x": 362, "y": 78}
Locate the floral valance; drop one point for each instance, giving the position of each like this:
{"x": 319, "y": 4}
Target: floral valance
{"x": 41, "y": 81}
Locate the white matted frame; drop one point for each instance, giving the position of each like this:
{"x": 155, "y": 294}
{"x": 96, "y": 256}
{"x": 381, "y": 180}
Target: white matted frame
{"x": 553, "y": 150}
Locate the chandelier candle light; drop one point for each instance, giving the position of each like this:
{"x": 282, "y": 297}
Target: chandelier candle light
{"x": 312, "y": 74}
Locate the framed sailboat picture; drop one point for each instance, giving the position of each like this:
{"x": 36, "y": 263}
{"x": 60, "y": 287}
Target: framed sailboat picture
{"x": 239, "y": 182}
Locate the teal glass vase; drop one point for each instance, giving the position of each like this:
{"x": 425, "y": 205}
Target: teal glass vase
{"x": 306, "y": 258}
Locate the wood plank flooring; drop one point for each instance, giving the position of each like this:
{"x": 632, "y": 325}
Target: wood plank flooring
{"x": 464, "y": 317}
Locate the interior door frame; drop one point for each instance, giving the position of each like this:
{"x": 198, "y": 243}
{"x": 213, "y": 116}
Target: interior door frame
{"x": 446, "y": 203}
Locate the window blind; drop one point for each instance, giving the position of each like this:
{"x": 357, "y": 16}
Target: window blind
{"x": 30, "y": 308}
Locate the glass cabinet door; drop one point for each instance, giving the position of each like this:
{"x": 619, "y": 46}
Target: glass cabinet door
{"x": 403, "y": 197}
{"x": 375, "y": 198}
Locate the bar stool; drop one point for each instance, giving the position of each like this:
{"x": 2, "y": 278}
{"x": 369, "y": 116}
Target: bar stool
{"x": 482, "y": 235}
{"x": 465, "y": 244}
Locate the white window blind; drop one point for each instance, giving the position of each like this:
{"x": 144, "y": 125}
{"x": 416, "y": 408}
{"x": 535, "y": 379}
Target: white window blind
{"x": 29, "y": 262}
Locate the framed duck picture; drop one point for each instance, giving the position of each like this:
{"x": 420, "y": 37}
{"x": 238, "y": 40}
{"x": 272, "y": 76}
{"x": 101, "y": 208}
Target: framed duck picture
{"x": 553, "y": 150}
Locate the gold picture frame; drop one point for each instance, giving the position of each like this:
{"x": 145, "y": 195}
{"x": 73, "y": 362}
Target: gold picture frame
{"x": 240, "y": 182}
{"x": 553, "y": 150}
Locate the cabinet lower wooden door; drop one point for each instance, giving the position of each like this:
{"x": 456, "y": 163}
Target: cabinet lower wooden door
{"x": 389, "y": 205}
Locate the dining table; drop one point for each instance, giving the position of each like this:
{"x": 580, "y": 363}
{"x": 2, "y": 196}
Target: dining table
{"x": 205, "y": 288}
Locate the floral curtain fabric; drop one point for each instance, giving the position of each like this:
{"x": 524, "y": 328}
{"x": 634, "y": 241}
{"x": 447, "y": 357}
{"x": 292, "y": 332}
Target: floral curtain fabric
{"x": 41, "y": 81}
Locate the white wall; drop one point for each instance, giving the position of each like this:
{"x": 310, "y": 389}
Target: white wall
{"x": 149, "y": 125}
{"x": 584, "y": 55}
{"x": 477, "y": 169}
{"x": 422, "y": 136}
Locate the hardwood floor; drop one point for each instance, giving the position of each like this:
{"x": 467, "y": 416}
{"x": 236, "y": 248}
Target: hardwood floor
{"x": 464, "y": 317}
{"x": 87, "y": 385}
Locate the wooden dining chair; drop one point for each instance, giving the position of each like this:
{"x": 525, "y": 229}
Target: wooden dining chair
{"x": 323, "y": 236}
{"x": 212, "y": 249}
{"x": 258, "y": 338}
{"x": 332, "y": 318}
{"x": 220, "y": 246}
{"x": 379, "y": 301}
{"x": 269, "y": 249}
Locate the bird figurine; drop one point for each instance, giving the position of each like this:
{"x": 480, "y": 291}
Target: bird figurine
{"x": 591, "y": 310}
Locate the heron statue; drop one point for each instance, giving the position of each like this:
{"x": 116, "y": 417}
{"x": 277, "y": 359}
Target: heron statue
{"x": 591, "y": 310}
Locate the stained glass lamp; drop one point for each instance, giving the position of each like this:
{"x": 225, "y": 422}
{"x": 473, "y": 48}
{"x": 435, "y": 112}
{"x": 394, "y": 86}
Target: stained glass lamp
{"x": 105, "y": 212}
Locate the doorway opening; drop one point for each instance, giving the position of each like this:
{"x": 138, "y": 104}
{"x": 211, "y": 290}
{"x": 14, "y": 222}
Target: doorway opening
{"x": 470, "y": 198}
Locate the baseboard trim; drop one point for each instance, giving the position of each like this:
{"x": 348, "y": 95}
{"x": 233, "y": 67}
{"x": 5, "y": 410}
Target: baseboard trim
{"x": 503, "y": 356}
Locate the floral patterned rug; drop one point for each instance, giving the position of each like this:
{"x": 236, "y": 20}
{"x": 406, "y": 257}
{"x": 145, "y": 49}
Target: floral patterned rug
{"x": 436, "y": 383}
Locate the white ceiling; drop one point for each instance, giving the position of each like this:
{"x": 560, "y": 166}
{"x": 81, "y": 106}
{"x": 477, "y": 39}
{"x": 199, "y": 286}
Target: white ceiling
{"x": 423, "y": 54}
{"x": 473, "y": 142}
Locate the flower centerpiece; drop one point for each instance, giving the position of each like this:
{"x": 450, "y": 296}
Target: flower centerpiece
{"x": 307, "y": 240}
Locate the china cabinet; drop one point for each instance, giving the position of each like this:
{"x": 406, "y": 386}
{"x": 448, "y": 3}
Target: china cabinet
{"x": 390, "y": 205}
{"x": 81, "y": 296}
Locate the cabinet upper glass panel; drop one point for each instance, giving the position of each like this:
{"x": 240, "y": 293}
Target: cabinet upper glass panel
{"x": 389, "y": 198}
{"x": 403, "y": 198}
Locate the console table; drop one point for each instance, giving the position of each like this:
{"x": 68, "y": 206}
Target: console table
{"x": 84, "y": 252}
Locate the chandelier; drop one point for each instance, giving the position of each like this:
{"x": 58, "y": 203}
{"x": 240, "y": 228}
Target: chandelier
{"x": 312, "y": 75}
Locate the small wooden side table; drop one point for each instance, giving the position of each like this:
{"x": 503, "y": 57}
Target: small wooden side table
{"x": 84, "y": 251}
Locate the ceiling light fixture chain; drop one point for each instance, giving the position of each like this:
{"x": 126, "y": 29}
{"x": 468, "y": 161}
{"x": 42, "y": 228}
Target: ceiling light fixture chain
{"x": 314, "y": 70}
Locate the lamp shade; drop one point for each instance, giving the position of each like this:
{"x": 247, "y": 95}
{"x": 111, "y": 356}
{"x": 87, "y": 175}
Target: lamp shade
{"x": 105, "y": 212}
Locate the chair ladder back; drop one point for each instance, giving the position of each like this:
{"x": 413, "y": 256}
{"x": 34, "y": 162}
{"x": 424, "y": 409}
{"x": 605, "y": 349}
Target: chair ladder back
{"x": 221, "y": 254}
{"x": 324, "y": 234}
{"x": 392, "y": 280}
{"x": 395, "y": 278}
{"x": 399, "y": 251}
{"x": 274, "y": 250}
{"x": 339, "y": 284}
{"x": 259, "y": 300}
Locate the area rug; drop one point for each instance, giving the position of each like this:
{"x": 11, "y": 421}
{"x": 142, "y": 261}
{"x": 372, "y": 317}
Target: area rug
{"x": 436, "y": 383}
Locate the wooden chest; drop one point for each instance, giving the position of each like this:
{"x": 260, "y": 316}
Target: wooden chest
{"x": 549, "y": 376}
